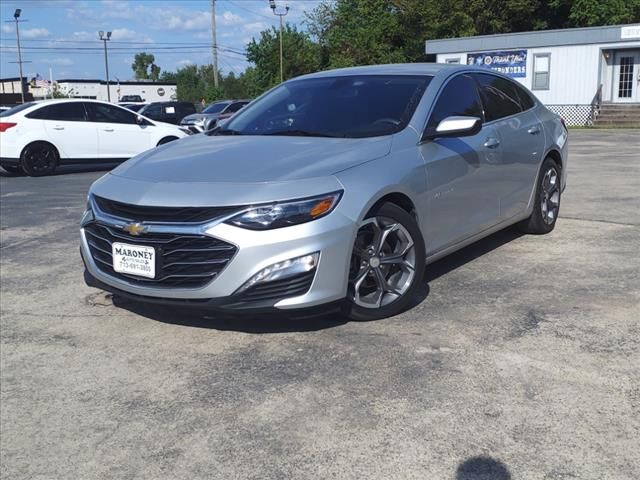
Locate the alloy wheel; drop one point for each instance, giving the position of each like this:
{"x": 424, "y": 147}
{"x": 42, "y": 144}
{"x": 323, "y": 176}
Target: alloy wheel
{"x": 550, "y": 201}
{"x": 383, "y": 263}
{"x": 40, "y": 159}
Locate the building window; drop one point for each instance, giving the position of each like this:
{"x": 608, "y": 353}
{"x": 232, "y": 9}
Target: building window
{"x": 541, "y": 71}
{"x": 452, "y": 60}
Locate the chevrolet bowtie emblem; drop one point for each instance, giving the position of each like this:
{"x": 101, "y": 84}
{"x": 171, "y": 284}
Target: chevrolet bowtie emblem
{"x": 134, "y": 229}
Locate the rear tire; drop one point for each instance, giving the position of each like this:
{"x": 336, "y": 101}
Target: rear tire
{"x": 39, "y": 159}
{"x": 387, "y": 264}
{"x": 546, "y": 205}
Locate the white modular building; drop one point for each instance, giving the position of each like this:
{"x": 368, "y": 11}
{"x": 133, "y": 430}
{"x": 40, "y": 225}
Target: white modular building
{"x": 97, "y": 89}
{"x": 577, "y": 72}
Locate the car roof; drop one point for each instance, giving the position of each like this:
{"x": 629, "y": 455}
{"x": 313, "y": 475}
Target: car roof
{"x": 388, "y": 69}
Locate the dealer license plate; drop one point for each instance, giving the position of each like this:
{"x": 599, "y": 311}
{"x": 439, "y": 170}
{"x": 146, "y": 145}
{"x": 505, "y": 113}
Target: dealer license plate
{"x": 134, "y": 259}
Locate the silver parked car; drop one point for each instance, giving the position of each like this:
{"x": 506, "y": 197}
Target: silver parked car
{"x": 212, "y": 114}
{"x": 336, "y": 186}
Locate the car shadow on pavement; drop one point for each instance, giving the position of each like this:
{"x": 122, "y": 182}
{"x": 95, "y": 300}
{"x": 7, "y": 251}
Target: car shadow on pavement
{"x": 482, "y": 468}
{"x": 313, "y": 320}
{"x": 70, "y": 169}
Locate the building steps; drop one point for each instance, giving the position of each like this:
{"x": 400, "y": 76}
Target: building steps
{"x": 618, "y": 115}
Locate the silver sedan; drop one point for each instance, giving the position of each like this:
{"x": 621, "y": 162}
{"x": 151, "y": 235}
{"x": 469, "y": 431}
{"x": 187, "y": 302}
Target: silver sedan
{"x": 336, "y": 187}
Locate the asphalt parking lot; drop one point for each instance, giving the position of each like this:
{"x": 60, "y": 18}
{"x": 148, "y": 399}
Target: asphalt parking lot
{"x": 522, "y": 362}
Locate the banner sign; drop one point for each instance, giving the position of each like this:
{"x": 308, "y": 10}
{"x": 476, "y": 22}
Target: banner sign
{"x": 510, "y": 62}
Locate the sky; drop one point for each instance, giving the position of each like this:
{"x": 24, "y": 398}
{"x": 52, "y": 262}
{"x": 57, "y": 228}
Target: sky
{"x": 63, "y": 34}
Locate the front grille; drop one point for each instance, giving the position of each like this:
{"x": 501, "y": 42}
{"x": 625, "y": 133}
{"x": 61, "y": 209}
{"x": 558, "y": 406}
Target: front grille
{"x": 162, "y": 214}
{"x": 184, "y": 261}
{"x": 271, "y": 292}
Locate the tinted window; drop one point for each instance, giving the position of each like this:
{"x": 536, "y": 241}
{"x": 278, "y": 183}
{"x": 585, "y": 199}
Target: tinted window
{"x": 459, "y": 97}
{"x": 526, "y": 100}
{"x": 234, "y": 107}
{"x": 103, "y": 113}
{"x": 499, "y": 96}
{"x": 347, "y": 106}
{"x": 153, "y": 109}
{"x": 187, "y": 108}
{"x": 68, "y": 112}
{"x": 215, "y": 107}
{"x": 16, "y": 109}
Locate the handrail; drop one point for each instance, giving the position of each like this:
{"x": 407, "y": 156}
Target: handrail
{"x": 595, "y": 104}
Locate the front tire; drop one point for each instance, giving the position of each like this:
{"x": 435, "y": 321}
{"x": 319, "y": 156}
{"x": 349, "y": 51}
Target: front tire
{"x": 39, "y": 159}
{"x": 547, "y": 200}
{"x": 387, "y": 264}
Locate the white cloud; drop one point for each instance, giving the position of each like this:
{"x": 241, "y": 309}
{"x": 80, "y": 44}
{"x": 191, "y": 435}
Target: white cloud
{"x": 26, "y": 33}
{"x": 184, "y": 63}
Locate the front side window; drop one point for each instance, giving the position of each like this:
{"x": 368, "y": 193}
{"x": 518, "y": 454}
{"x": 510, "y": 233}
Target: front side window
{"x": 347, "y": 106}
{"x": 103, "y": 113}
{"x": 67, "y": 112}
{"x": 458, "y": 98}
{"x": 234, "y": 107}
{"x": 499, "y": 96}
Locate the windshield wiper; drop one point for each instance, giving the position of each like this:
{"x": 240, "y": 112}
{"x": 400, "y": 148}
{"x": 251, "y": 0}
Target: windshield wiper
{"x": 300, "y": 133}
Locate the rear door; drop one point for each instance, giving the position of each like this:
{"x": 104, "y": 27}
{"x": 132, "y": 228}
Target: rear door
{"x": 521, "y": 140}
{"x": 119, "y": 135}
{"x": 67, "y": 127}
{"x": 463, "y": 200}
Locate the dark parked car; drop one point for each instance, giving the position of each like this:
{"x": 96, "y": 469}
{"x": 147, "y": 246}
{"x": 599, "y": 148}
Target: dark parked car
{"x": 131, "y": 99}
{"x": 169, "y": 112}
{"x": 209, "y": 117}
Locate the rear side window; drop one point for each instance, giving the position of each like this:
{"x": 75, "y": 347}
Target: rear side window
{"x": 499, "y": 96}
{"x": 16, "y": 109}
{"x": 526, "y": 101}
{"x": 68, "y": 112}
{"x": 103, "y": 113}
{"x": 459, "y": 97}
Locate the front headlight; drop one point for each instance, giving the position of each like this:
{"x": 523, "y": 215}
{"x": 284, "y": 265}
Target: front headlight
{"x": 286, "y": 214}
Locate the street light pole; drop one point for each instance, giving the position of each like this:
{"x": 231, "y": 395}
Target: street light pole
{"x": 104, "y": 39}
{"x": 214, "y": 45}
{"x": 16, "y": 16}
{"x": 280, "y": 13}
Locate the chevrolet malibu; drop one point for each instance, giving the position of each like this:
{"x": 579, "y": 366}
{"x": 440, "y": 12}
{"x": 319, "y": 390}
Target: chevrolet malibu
{"x": 339, "y": 186}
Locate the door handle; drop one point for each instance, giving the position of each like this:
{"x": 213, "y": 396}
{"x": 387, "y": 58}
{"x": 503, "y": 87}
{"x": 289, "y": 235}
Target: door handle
{"x": 58, "y": 127}
{"x": 491, "y": 142}
{"x": 108, "y": 129}
{"x": 535, "y": 130}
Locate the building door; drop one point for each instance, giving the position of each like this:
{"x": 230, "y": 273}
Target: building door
{"x": 626, "y": 76}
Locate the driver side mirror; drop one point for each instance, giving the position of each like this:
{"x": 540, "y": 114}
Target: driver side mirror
{"x": 454, "y": 126}
{"x": 140, "y": 120}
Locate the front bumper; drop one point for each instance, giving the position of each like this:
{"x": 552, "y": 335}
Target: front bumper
{"x": 332, "y": 236}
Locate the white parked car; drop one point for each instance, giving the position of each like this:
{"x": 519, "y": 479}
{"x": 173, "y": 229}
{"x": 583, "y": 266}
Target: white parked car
{"x": 36, "y": 137}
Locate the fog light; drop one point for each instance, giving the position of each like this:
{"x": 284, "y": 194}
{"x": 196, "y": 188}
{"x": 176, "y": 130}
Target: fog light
{"x": 284, "y": 269}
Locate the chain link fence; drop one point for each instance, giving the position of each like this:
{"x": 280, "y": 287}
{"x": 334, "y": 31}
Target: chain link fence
{"x": 575, "y": 115}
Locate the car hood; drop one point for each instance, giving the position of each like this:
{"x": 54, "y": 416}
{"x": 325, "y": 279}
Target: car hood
{"x": 251, "y": 159}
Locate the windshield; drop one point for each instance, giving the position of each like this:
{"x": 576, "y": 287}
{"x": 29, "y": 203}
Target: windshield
{"x": 348, "y": 107}
{"x": 215, "y": 107}
{"x": 16, "y": 109}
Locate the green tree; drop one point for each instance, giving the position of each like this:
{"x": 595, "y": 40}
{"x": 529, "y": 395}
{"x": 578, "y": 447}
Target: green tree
{"x": 587, "y": 13}
{"x": 301, "y": 55}
{"x": 144, "y": 68}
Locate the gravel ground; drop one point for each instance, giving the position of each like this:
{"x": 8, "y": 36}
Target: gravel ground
{"x": 522, "y": 362}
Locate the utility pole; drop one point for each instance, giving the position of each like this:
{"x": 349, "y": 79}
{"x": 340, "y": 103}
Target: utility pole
{"x": 214, "y": 45}
{"x": 280, "y": 13}
{"x": 104, "y": 39}
{"x": 16, "y": 16}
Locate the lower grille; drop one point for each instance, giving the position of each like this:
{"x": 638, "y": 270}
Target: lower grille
{"x": 276, "y": 290}
{"x": 184, "y": 261}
